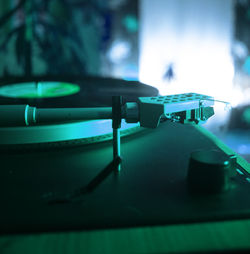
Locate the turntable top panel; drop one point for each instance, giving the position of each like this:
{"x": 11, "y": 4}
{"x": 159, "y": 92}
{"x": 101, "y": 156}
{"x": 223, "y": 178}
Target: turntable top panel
{"x": 149, "y": 191}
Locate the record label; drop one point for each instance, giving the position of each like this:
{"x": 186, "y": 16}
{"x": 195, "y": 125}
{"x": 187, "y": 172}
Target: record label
{"x": 29, "y": 90}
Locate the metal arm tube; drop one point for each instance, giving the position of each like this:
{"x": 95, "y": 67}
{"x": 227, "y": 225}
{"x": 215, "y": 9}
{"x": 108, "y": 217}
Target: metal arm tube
{"x": 21, "y": 115}
{"x": 72, "y": 114}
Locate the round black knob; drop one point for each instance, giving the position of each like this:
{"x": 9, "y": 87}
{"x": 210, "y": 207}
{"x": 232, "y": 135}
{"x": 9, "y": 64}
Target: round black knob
{"x": 209, "y": 172}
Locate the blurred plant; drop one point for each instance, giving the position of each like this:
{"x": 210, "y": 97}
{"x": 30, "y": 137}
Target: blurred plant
{"x": 50, "y": 27}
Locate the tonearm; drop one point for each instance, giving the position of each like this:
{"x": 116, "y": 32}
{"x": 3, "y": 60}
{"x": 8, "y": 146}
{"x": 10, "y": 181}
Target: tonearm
{"x": 148, "y": 111}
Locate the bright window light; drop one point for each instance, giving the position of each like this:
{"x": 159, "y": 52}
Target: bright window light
{"x": 194, "y": 38}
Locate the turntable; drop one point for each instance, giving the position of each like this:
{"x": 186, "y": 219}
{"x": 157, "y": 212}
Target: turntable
{"x": 56, "y": 176}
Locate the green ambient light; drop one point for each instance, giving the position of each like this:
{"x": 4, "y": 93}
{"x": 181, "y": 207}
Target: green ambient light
{"x": 131, "y": 23}
{"x": 246, "y": 115}
{"x": 39, "y": 90}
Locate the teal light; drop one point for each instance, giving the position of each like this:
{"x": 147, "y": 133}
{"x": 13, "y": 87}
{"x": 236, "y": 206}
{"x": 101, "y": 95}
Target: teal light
{"x": 130, "y": 72}
{"x": 246, "y": 115}
{"x": 246, "y": 66}
{"x": 131, "y": 23}
{"x": 130, "y": 78}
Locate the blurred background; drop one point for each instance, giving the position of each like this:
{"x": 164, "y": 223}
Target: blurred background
{"x": 175, "y": 45}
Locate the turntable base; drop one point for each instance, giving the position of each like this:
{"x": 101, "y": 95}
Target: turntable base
{"x": 148, "y": 197}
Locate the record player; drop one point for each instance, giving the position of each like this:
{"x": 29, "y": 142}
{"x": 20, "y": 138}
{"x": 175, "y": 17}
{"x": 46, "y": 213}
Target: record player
{"x": 120, "y": 157}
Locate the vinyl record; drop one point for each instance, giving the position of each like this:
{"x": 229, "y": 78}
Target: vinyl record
{"x": 69, "y": 91}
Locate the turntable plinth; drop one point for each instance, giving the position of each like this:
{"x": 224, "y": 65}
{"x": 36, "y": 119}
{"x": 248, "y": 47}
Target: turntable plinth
{"x": 145, "y": 208}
